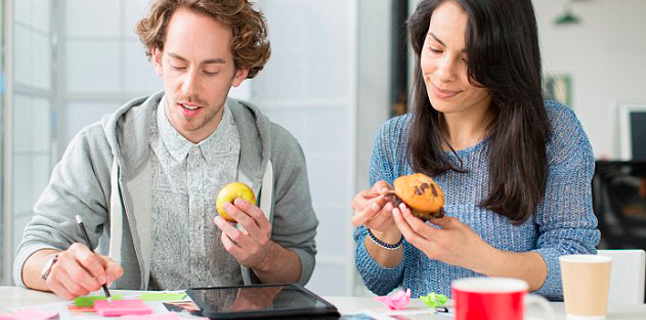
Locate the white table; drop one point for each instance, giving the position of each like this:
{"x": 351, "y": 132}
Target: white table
{"x": 354, "y": 304}
{"x": 12, "y": 297}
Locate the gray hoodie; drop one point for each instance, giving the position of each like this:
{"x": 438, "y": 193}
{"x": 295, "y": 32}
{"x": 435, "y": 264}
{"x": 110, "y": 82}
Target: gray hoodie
{"x": 105, "y": 176}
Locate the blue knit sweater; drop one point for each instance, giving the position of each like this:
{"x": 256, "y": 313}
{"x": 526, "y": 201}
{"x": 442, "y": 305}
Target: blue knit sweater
{"x": 563, "y": 223}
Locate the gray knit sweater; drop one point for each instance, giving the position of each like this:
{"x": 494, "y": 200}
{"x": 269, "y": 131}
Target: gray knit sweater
{"x": 563, "y": 223}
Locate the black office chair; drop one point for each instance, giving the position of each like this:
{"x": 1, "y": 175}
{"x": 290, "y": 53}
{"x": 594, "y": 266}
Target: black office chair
{"x": 619, "y": 199}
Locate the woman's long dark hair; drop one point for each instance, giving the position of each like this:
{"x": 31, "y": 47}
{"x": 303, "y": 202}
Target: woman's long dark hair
{"x": 504, "y": 57}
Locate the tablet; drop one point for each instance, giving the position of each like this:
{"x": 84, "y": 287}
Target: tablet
{"x": 262, "y": 301}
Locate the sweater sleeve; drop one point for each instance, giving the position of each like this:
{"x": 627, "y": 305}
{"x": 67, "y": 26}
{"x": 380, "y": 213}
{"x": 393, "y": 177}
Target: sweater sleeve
{"x": 566, "y": 221}
{"x": 378, "y": 279}
{"x": 80, "y": 184}
{"x": 294, "y": 221}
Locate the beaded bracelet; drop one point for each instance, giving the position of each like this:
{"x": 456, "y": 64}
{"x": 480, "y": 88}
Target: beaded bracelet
{"x": 384, "y": 245}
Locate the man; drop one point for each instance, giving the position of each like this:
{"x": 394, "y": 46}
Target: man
{"x": 145, "y": 179}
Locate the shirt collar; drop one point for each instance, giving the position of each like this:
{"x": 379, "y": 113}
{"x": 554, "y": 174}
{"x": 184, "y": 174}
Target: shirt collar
{"x": 179, "y": 147}
{"x": 221, "y": 140}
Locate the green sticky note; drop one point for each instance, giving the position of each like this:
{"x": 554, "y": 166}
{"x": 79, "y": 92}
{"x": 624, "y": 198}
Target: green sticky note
{"x": 88, "y": 301}
{"x": 433, "y": 300}
{"x": 162, "y": 296}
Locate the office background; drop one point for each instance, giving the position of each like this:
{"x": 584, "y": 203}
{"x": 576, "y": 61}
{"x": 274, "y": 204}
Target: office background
{"x": 332, "y": 80}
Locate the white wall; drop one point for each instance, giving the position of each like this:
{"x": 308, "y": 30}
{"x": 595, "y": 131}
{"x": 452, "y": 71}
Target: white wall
{"x": 104, "y": 62}
{"x": 373, "y": 92}
{"x": 29, "y": 115}
{"x": 605, "y": 57}
{"x": 309, "y": 87}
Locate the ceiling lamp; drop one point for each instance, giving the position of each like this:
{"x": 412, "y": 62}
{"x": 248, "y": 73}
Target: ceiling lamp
{"x": 567, "y": 17}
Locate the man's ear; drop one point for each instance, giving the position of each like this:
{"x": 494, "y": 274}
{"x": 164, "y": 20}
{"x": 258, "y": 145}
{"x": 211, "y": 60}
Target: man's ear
{"x": 156, "y": 58}
{"x": 241, "y": 75}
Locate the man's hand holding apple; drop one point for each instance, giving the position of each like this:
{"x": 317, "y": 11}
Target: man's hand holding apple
{"x": 252, "y": 246}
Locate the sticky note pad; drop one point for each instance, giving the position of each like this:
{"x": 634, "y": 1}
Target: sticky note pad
{"x": 148, "y": 296}
{"x": 88, "y": 301}
{"x": 79, "y": 309}
{"x": 30, "y": 315}
{"x": 121, "y": 308}
{"x": 159, "y": 316}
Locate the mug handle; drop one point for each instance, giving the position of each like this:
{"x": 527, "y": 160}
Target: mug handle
{"x": 542, "y": 303}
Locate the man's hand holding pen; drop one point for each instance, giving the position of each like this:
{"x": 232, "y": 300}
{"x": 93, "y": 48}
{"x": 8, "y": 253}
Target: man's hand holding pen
{"x": 78, "y": 271}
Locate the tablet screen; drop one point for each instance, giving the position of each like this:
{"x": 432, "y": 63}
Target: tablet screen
{"x": 258, "y": 300}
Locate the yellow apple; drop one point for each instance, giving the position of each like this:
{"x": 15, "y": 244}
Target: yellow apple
{"x": 229, "y": 193}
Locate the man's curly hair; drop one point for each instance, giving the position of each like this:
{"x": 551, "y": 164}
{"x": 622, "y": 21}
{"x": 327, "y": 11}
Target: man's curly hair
{"x": 249, "y": 43}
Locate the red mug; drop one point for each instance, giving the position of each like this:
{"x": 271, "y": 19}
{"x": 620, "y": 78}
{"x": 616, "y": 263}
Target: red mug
{"x": 494, "y": 298}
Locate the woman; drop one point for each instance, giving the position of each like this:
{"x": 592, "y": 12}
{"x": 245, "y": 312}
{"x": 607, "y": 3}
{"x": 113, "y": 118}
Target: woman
{"x": 515, "y": 170}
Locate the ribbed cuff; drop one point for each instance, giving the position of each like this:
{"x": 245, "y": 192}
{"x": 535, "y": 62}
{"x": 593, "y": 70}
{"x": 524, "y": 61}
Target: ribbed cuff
{"x": 307, "y": 265}
{"x": 21, "y": 257}
{"x": 552, "y": 288}
{"x": 377, "y": 278}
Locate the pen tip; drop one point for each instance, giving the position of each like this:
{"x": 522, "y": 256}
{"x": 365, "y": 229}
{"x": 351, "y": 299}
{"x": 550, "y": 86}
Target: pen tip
{"x": 78, "y": 219}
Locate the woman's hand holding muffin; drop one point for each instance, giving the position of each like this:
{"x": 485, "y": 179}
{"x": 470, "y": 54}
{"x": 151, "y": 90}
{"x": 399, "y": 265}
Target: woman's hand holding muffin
{"x": 373, "y": 208}
{"x": 419, "y": 199}
{"x": 454, "y": 243}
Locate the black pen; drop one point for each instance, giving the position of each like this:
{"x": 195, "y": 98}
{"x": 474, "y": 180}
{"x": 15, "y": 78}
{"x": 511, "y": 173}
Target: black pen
{"x": 87, "y": 242}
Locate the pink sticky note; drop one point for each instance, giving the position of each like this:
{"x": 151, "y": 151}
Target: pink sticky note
{"x": 29, "y": 315}
{"x": 396, "y": 301}
{"x": 159, "y": 316}
{"x": 116, "y": 308}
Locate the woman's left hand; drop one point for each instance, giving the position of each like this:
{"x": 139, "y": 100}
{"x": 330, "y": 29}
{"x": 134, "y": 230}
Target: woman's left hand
{"x": 455, "y": 243}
